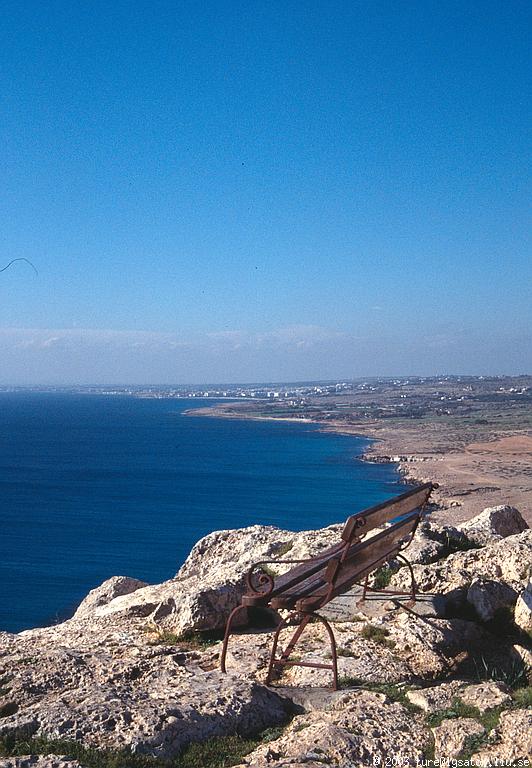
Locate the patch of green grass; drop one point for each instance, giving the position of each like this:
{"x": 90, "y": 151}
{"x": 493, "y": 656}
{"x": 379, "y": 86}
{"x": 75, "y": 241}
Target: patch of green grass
{"x": 188, "y": 640}
{"x": 522, "y": 697}
{"x": 488, "y": 720}
{"x": 457, "y": 709}
{"x": 473, "y": 744}
{"x": 215, "y": 753}
{"x": 378, "y": 635}
{"x": 396, "y": 693}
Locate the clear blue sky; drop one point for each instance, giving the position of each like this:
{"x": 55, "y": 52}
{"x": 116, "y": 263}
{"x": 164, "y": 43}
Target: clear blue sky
{"x": 222, "y": 191}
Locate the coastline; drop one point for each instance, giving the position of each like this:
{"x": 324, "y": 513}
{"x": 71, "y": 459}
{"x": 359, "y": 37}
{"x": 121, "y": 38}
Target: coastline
{"x": 470, "y": 477}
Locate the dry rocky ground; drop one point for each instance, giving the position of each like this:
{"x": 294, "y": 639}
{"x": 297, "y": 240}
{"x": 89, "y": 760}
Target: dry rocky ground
{"x": 133, "y": 679}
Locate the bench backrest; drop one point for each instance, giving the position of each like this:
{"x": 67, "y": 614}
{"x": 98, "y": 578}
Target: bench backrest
{"x": 366, "y": 556}
{"x": 360, "y": 524}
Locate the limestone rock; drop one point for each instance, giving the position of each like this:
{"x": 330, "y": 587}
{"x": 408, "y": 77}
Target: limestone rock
{"x": 102, "y": 595}
{"x": 485, "y": 696}
{"x": 494, "y": 523}
{"x": 437, "y": 697}
{"x": 522, "y": 660}
{"x": 452, "y": 736}
{"x": 108, "y": 687}
{"x": 212, "y": 580}
{"x": 523, "y": 609}
{"x": 355, "y": 729}
{"x": 489, "y": 597}
{"x": 505, "y": 561}
{"x": 512, "y": 738}
{"x": 429, "y": 647}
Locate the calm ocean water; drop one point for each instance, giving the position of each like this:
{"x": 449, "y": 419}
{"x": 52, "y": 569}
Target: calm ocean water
{"x": 95, "y": 486}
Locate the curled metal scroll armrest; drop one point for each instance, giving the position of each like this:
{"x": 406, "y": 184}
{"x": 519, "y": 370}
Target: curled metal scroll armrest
{"x": 265, "y": 581}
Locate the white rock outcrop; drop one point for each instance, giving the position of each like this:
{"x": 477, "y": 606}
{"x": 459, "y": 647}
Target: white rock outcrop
{"x": 492, "y": 524}
{"x": 212, "y": 580}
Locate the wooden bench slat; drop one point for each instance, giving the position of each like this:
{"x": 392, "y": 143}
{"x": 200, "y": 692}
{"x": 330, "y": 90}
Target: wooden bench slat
{"x": 363, "y": 522}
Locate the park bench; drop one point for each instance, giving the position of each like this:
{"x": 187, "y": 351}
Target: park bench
{"x": 314, "y": 582}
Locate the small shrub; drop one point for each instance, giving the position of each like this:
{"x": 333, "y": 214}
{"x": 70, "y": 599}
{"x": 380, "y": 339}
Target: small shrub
{"x": 515, "y": 676}
{"x": 453, "y": 545}
{"x": 345, "y": 652}
{"x": 189, "y": 640}
{"x": 192, "y": 639}
{"x": 284, "y": 549}
{"x": 164, "y": 637}
{"x": 382, "y": 577}
{"x": 378, "y": 635}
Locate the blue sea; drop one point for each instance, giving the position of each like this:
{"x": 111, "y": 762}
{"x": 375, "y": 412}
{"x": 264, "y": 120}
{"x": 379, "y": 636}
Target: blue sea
{"x": 95, "y": 486}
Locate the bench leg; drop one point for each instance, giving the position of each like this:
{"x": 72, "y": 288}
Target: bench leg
{"x": 413, "y": 585}
{"x": 227, "y": 634}
{"x": 276, "y": 664}
{"x": 334, "y": 654}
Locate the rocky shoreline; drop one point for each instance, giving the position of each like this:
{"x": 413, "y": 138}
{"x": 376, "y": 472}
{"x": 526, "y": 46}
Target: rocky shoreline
{"x": 471, "y": 476}
{"x": 133, "y": 680}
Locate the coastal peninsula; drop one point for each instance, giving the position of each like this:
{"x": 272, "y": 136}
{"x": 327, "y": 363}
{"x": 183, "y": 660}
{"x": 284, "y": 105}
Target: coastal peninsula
{"x": 471, "y": 435}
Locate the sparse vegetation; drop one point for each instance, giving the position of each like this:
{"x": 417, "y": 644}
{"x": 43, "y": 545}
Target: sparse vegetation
{"x": 394, "y": 692}
{"x": 523, "y": 697}
{"x": 457, "y": 709}
{"x": 345, "y": 652}
{"x": 186, "y": 640}
{"x": 216, "y": 753}
{"x": 378, "y": 635}
{"x": 383, "y": 576}
{"x": 284, "y": 549}
{"x": 515, "y": 676}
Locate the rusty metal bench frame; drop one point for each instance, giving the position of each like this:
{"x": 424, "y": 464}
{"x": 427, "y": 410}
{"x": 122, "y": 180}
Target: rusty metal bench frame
{"x": 316, "y": 581}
